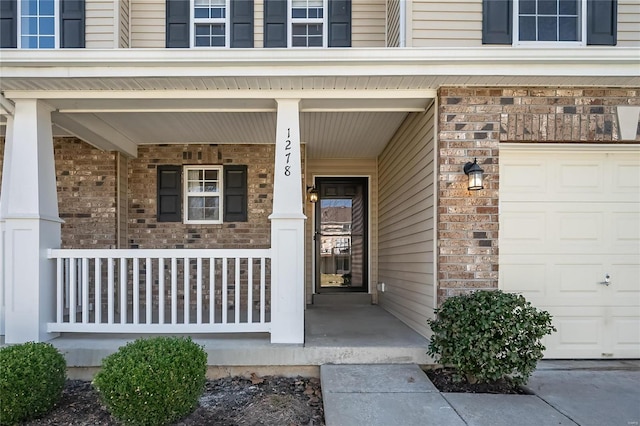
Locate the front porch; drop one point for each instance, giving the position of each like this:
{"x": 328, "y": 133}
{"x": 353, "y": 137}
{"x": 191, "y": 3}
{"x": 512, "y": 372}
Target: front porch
{"x": 342, "y": 334}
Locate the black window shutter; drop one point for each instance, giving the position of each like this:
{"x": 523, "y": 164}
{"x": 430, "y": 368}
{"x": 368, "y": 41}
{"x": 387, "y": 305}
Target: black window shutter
{"x": 169, "y": 203}
{"x": 602, "y": 22}
{"x": 72, "y": 23}
{"x": 177, "y": 23}
{"x": 339, "y": 23}
{"x": 235, "y": 193}
{"x": 497, "y": 22}
{"x": 241, "y": 23}
{"x": 275, "y": 23}
{"x": 8, "y": 24}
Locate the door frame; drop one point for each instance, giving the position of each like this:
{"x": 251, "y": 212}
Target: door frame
{"x": 314, "y": 278}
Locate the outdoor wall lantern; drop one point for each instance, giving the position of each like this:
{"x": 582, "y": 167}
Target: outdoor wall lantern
{"x": 475, "y": 174}
{"x": 312, "y": 194}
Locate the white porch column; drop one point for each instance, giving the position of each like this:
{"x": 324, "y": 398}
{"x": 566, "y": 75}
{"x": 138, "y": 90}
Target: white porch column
{"x": 29, "y": 208}
{"x": 287, "y": 230}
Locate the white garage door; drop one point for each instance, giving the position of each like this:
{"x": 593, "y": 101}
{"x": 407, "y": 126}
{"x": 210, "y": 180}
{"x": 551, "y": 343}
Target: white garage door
{"x": 570, "y": 217}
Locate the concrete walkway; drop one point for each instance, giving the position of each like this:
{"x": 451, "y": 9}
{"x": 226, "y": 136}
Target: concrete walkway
{"x": 597, "y": 393}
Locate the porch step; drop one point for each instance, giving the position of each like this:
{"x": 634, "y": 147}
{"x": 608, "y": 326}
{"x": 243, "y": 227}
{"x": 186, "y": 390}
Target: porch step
{"x": 334, "y": 299}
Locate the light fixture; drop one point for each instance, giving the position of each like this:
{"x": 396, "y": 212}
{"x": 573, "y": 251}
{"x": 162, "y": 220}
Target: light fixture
{"x": 312, "y": 194}
{"x": 474, "y": 172}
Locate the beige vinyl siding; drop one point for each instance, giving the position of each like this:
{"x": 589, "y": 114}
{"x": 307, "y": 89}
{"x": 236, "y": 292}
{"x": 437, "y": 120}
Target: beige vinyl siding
{"x": 258, "y": 23}
{"x": 148, "y": 23}
{"x": 442, "y": 23}
{"x": 406, "y": 211}
{"x": 100, "y": 24}
{"x": 628, "y": 23}
{"x": 393, "y": 23}
{"x": 123, "y": 27}
{"x": 343, "y": 167}
{"x": 368, "y": 20}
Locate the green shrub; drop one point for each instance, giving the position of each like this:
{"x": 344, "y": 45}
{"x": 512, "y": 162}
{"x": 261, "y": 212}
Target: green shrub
{"x": 489, "y": 335}
{"x": 32, "y": 377}
{"x": 152, "y": 381}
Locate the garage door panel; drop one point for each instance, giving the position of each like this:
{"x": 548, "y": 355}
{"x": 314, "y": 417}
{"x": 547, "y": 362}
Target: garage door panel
{"x": 624, "y": 285}
{"x": 625, "y": 228}
{"x": 525, "y": 278}
{"x": 557, "y": 245}
{"x": 626, "y": 179}
{"x": 579, "y": 177}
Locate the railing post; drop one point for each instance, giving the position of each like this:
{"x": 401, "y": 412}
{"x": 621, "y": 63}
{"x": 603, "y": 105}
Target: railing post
{"x": 287, "y": 229}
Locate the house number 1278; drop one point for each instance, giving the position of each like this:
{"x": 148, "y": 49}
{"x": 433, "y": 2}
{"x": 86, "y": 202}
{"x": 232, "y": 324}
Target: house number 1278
{"x": 287, "y": 149}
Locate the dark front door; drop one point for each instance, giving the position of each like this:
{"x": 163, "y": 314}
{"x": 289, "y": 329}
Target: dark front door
{"x": 341, "y": 230}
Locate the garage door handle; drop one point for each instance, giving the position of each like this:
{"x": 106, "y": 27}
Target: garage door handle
{"x": 607, "y": 280}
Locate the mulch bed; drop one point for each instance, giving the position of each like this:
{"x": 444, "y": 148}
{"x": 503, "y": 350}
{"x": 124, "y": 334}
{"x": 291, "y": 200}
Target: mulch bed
{"x": 443, "y": 379}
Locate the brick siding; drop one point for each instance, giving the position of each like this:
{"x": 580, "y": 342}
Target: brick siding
{"x": 472, "y": 123}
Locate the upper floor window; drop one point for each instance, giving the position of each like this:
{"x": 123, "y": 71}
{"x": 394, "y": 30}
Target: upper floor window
{"x": 550, "y": 22}
{"x": 37, "y": 24}
{"x": 307, "y": 23}
{"x": 42, "y": 24}
{"x": 210, "y": 23}
{"x": 543, "y": 21}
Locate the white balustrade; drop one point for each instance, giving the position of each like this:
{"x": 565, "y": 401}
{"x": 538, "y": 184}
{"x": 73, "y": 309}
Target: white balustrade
{"x": 137, "y": 290}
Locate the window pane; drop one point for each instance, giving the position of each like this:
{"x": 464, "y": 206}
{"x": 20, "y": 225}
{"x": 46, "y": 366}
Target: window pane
{"x": 47, "y": 7}
{"x": 29, "y": 42}
{"x": 47, "y": 26}
{"x": 29, "y": 26}
{"x": 569, "y": 29}
{"x": 547, "y": 7}
{"x": 200, "y": 31}
{"x": 298, "y": 13}
{"x": 194, "y": 187}
{"x": 527, "y": 28}
{"x": 194, "y": 174}
{"x": 47, "y": 42}
{"x": 29, "y": 7}
{"x": 211, "y": 174}
{"x": 217, "y": 30}
{"x": 568, "y": 7}
{"x": 299, "y": 29}
{"x": 315, "y": 41}
{"x": 201, "y": 13}
{"x": 547, "y": 29}
{"x": 315, "y": 30}
{"x": 527, "y": 7}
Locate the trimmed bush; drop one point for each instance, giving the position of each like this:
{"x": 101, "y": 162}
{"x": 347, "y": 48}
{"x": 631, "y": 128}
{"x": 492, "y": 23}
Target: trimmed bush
{"x": 489, "y": 335}
{"x": 32, "y": 377}
{"x": 152, "y": 381}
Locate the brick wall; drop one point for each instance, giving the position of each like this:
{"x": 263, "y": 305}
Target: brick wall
{"x": 472, "y": 123}
{"x": 146, "y": 232}
{"x": 86, "y": 182}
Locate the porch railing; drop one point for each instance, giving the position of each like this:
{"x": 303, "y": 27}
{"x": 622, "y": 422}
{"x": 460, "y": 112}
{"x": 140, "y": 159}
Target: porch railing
{"x": 162, "y": 291}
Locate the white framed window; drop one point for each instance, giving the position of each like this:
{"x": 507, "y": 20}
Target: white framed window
{"x": 550, "y": 22}
{"x": 203, "y": 194}
{"x": 210, "y": 23}
{"x": 308, "y": 23}
{"x": 38, "y": 24}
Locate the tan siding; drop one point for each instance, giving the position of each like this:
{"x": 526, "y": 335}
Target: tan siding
{"x": 368, "y": 23}
{"x": 628, "y": 23}
{"x": 393, "y": 23}
{"x": 406, "y": 230}
{"x": 258, "y": 27}
{"x": 148, "y": 23}
{"x": 100, "y": 24}
{"x": 123, "y": 28}
{"x": 343, "y": 167}
{"x": 446, "y": 23}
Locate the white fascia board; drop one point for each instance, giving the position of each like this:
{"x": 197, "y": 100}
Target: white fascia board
{"x": 169, "y": 95}
{"x": 509, "y": 61}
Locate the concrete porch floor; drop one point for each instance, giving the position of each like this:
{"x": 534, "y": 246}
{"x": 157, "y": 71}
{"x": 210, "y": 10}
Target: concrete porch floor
{"x": 344, "y": 334}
